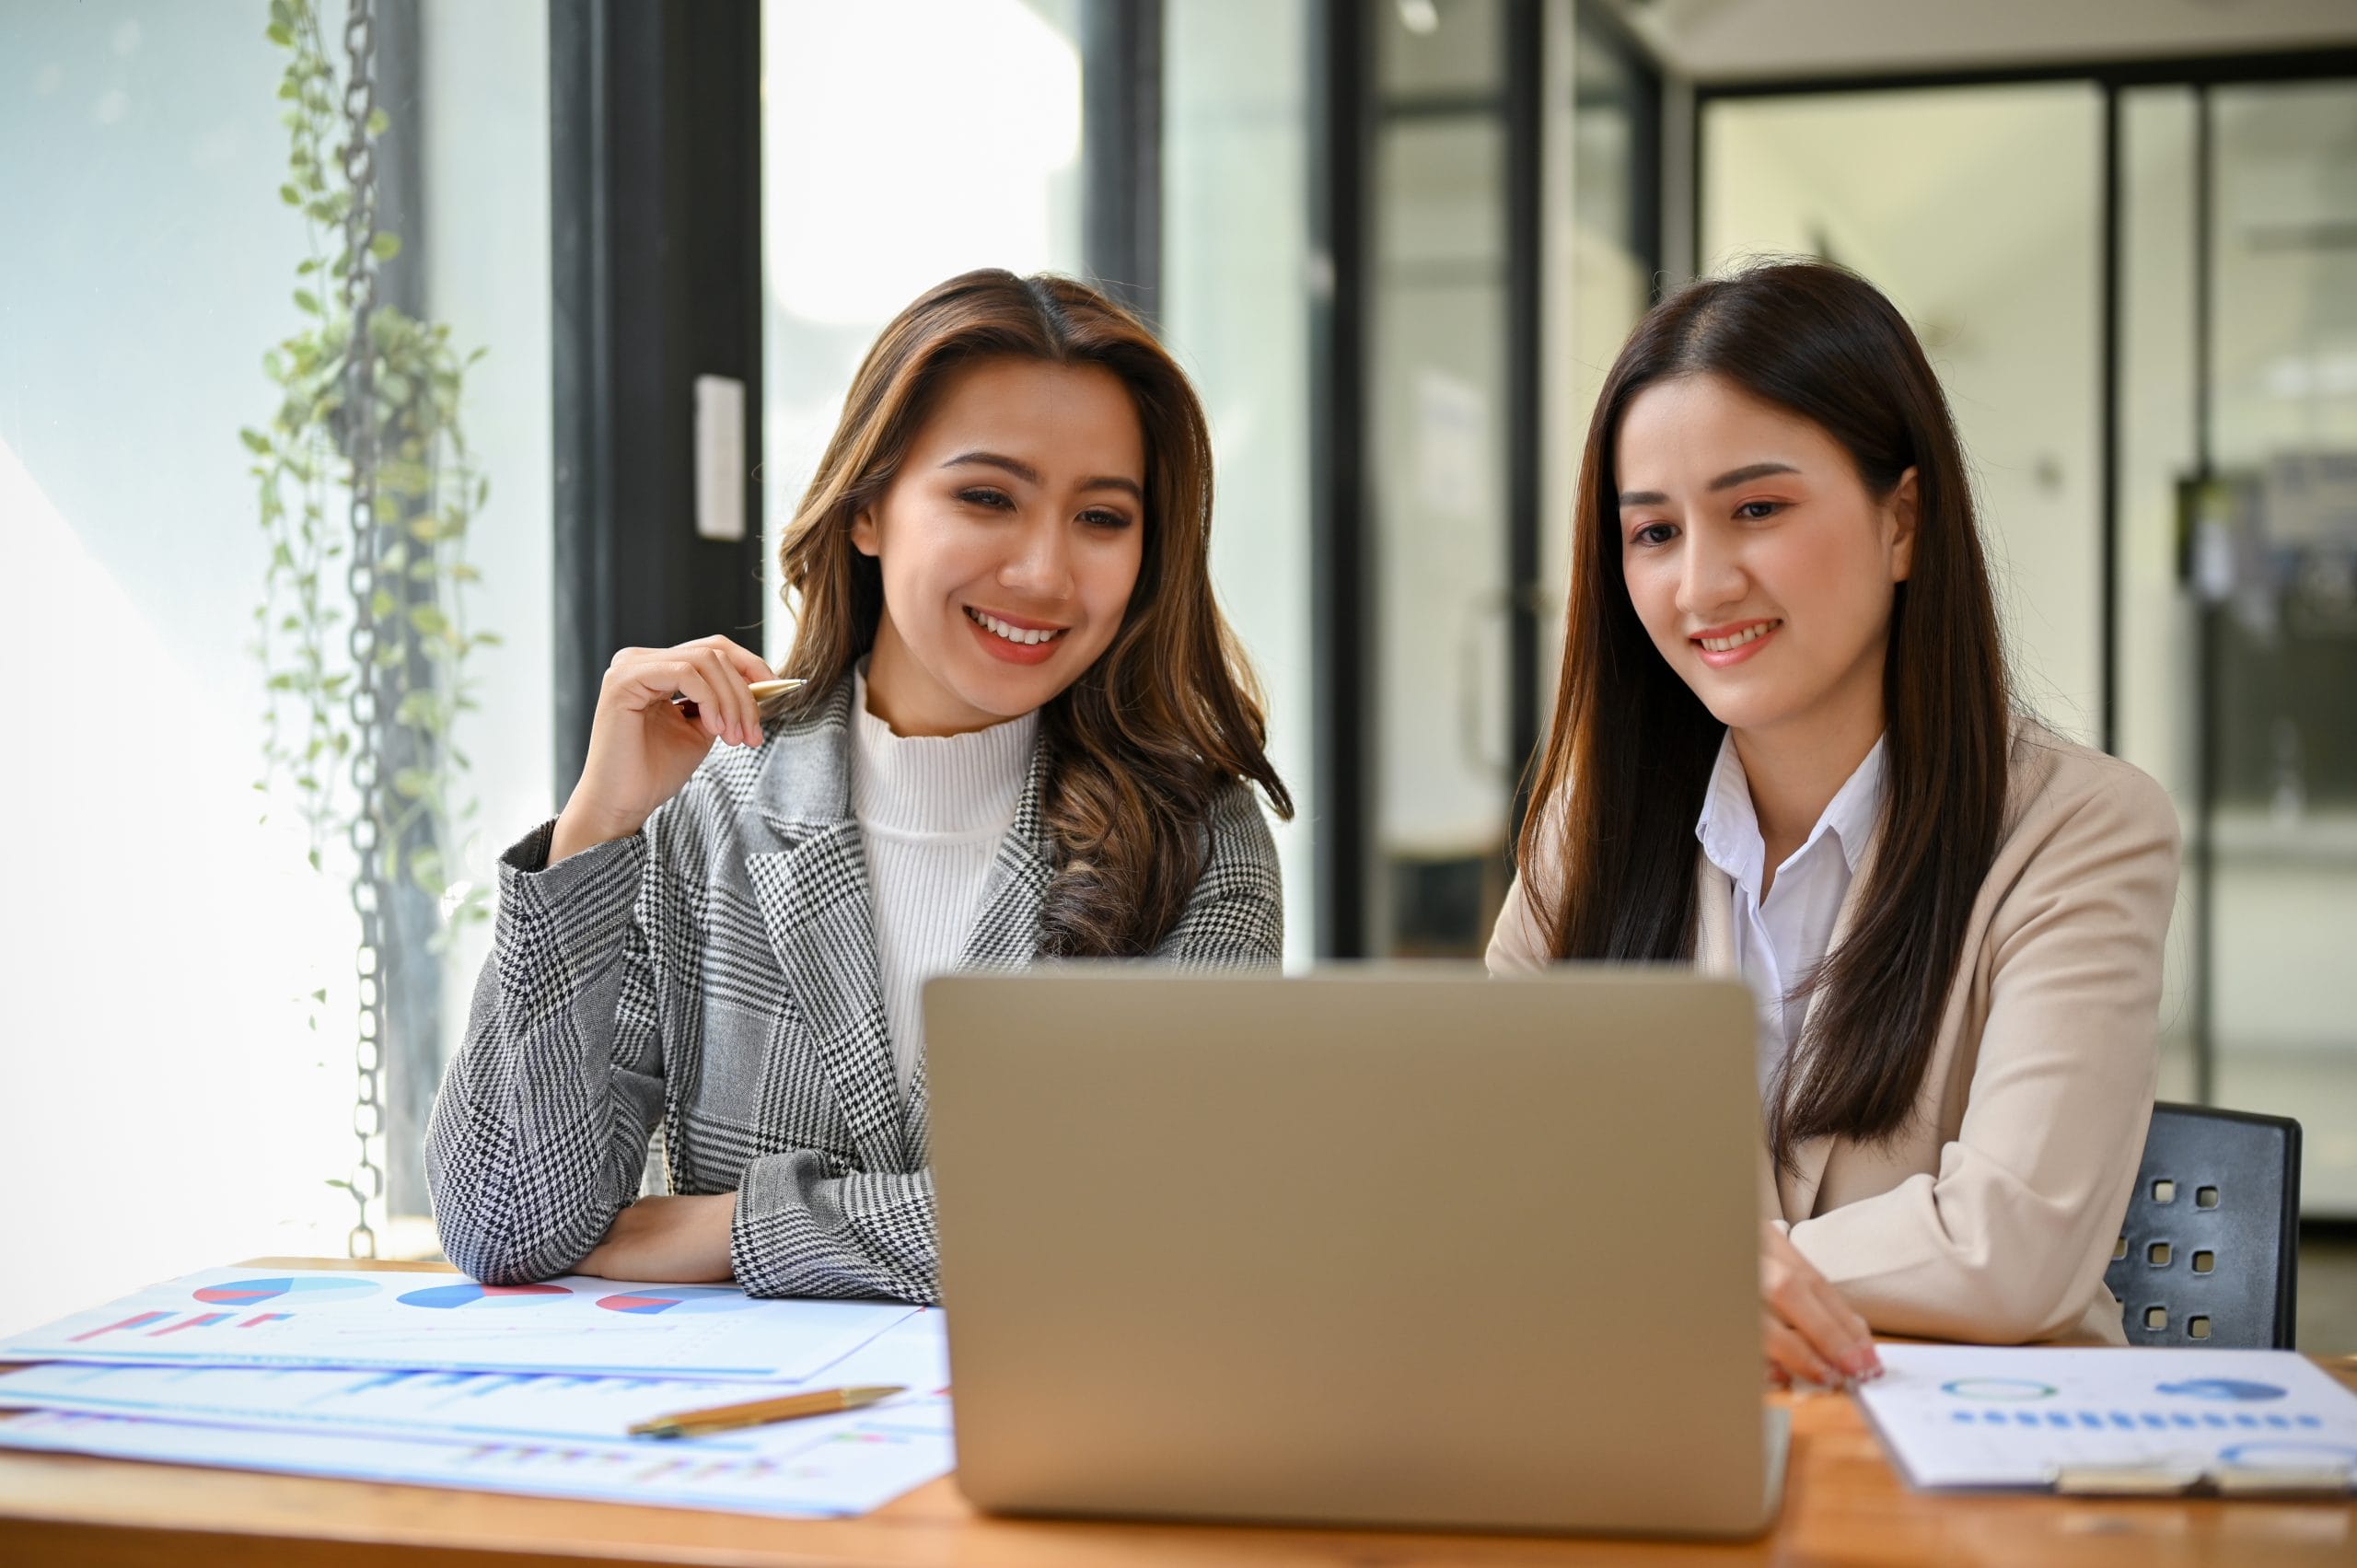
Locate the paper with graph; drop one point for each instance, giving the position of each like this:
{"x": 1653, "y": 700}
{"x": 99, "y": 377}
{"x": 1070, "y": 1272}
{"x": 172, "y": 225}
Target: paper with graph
{"x": 492, "y": 1406}
{"x": 830, "y": 1467}
{"x": 1968, "y": 1416}
{"x": 552, "y": 1433}
{"x": 440, "y": 1322}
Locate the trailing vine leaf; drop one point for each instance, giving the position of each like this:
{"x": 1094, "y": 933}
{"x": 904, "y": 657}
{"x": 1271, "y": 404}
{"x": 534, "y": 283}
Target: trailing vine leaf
{"x": 428, "y": 491}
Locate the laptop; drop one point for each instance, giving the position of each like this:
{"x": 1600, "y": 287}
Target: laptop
{"x": 1394, "y": 1247}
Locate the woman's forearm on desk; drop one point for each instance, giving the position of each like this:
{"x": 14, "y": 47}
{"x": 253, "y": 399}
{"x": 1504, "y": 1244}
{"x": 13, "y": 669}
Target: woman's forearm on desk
{"x": 539, "y": 1135}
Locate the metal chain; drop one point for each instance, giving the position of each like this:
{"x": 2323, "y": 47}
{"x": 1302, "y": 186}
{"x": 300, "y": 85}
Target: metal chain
{"x": 359, "y": 160}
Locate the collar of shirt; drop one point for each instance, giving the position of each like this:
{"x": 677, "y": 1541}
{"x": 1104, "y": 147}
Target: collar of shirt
{"x": 957, "y": 786}
{"x": 1728, "y": 827}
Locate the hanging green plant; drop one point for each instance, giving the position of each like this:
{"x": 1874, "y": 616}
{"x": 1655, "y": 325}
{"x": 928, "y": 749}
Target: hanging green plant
{"x": 427, "y": 491}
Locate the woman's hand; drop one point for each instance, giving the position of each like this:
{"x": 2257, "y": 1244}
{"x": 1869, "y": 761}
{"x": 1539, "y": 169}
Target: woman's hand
{"x": 643, "y": 745}
{"x": 1812, "y": 1334}
{"x": 667, "y": 1241}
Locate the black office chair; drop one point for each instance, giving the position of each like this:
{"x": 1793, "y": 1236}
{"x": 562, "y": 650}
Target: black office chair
{"x": 2209, "y": 1253}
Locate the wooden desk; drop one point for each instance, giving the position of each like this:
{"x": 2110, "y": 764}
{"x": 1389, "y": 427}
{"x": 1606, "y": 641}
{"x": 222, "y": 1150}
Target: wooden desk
{"x": 1842, "y": 1505}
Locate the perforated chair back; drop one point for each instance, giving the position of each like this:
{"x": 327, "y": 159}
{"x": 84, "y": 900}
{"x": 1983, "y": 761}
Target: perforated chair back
{"x": 2209, "y": 1252}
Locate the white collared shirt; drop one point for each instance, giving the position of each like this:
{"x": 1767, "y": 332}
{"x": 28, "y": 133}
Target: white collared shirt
{"x": 1779, "y": 940}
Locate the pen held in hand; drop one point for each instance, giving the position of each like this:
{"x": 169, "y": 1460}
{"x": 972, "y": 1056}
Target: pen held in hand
{"x": 762, "y": 692}
{"x": 760, "y": 1413}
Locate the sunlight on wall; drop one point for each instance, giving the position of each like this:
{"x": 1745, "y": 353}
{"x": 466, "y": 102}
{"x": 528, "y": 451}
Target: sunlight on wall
{"x": 167, "y": 1106}
{"x": 168, "y": 1109}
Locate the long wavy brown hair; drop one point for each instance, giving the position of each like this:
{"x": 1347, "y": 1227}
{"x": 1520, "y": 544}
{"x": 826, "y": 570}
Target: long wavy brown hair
{"x": 1610, "y": 829}
{"x": 1171, "y": 714}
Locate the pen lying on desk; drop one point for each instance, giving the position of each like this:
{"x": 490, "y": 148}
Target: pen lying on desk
{"x": 762, "y": 692}
{"x": 760, "y": 1413}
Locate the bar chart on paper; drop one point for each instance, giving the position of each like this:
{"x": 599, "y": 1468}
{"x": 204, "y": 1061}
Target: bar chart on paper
{"x": 364, "y": 1318}
{"x": 478, "y": 1406}
{"x": 560, "y": 1434}
{"x": 793, "y": 1470}
{"x": 1959, "y": 1416}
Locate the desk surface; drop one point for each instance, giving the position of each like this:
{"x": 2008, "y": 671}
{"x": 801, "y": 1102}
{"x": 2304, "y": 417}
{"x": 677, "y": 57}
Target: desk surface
{"x": 1843, "y": 1504}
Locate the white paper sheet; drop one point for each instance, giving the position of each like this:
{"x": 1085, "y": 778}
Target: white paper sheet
{"x": 1968, "y": 1416}
{"x": 335, "y": 1425}
{"x": 447, "y": 1322}
{"x": 828, "y": 1468}
{"x": 489, "y": 1406}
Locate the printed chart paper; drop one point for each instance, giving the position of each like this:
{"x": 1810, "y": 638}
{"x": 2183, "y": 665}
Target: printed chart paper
{"x": 477, "y": 1405}
{"x": 540, "y": 1434}
{"x": 448, "y": 1322}
{"x": 829, "y": 1467}
{"x": 1959, "y": 1416}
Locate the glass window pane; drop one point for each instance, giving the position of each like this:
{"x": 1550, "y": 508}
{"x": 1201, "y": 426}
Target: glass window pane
{"x": 1437, "y": 363}
{"x": 1236, "y": 312}
{"x": 1614, "y": 153}
{"x": 2280, "y": 576}
{"x": 166, "y": 986}
{"x": 2156, "y": 726}
{"x": 1901, "y": 186}
{"x": 971, "y": 159}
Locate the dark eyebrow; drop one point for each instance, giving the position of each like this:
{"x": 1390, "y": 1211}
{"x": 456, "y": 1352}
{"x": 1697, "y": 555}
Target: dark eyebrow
{"x": 1726, "y": 480}
{"x": 1030, "y": 475}
{"x": 1021, "y": 470}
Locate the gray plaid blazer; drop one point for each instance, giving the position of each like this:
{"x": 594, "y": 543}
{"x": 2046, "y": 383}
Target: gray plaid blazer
{"x": 717, "y": 970}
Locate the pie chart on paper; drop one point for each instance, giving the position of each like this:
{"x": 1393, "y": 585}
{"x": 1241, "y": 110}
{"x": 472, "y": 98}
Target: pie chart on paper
{"x": 470, "y": 1293}
{"x": 677, "y": 1298}
{"x": 312, "y": 1290}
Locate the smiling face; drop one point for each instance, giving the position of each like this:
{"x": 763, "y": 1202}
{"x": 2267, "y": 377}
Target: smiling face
{"x": 1009, "y": 542}
{"x": 1759, "y": 565}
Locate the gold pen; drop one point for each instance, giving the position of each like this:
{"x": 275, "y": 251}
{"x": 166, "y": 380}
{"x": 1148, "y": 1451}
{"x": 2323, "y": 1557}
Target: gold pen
{"x": 762, "y": 692}
{"x": 760, "y": 1413}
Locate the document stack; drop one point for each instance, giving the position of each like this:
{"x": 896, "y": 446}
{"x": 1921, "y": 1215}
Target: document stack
{"x": 436, "y": 1380}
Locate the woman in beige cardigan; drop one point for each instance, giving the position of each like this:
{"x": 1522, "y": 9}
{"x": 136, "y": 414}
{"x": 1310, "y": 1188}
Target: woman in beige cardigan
{"x": 1781, "y": 643}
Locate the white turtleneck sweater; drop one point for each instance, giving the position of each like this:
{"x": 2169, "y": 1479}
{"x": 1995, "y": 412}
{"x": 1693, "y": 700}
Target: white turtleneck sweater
{"x": 932, "y": 810}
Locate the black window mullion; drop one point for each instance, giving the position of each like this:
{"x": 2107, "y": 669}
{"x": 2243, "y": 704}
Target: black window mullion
{"x": 1120, "y": 148}
{"x": 655, "y": 187}
{"x": 1342, "y": 585}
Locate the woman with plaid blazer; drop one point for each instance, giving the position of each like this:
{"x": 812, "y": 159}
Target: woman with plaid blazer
{"x": 1010, "y": 525}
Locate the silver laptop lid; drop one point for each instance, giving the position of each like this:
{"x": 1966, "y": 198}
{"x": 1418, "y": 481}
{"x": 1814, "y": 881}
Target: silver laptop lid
{"x": 1407, "y": 1246}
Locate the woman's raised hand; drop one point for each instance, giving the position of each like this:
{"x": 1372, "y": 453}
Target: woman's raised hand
{"x": 1813, "y": 1335}
{"x": 643, "y": 745}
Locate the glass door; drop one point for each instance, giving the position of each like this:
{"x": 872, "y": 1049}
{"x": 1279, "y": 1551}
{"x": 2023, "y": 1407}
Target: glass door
{"x": 2271, "y": 564}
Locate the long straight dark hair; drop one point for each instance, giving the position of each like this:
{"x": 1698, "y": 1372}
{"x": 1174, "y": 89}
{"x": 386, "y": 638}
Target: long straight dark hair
{"x": 1142, "y": 745}
{"x": 1608, "y": 850}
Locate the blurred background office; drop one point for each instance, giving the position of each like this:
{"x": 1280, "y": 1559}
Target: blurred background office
{"x": 1397, "y": 243}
